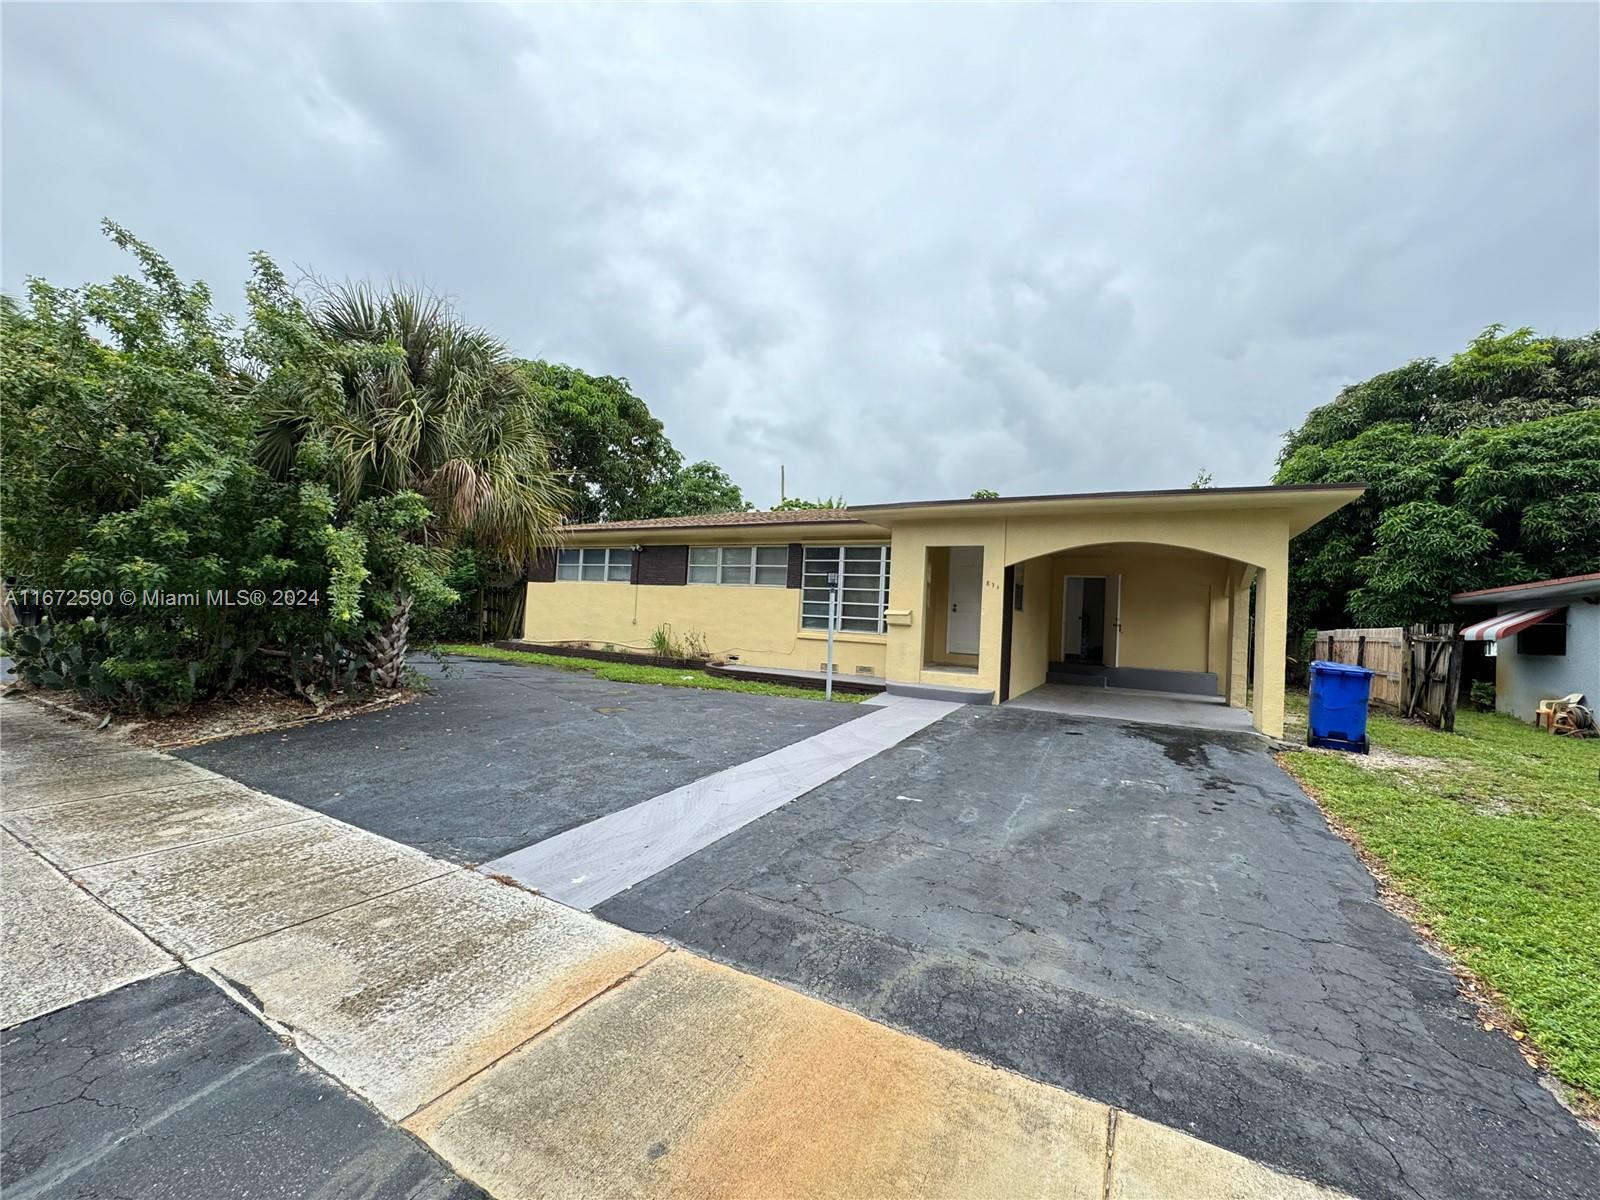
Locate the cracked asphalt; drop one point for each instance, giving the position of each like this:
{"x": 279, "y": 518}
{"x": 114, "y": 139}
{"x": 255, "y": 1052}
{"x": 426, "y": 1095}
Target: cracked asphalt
{"x": 496, "y": 757}
{"x": 167, "y": 1089}
{"x": 1155, "y": 918}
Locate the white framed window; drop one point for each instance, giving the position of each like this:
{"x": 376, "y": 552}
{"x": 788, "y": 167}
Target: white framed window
{"x": 762, "y": 566}
{"x": 863, "y": 573}
{"x": 597, "y": 564}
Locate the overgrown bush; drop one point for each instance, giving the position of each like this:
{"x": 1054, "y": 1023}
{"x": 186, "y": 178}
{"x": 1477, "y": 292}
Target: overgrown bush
{"x": 197, "y": 507}
{"x": 692, "y": 644}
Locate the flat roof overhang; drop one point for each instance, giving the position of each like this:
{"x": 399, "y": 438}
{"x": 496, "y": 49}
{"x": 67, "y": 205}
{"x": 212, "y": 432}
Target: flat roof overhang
{"x": 1303, "y": 505}
{"x": 765, "y": 533}
{"x": 1571, "y": 587}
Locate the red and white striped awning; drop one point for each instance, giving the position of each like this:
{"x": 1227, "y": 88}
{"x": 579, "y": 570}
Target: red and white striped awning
{"x": 1505, "y": 624}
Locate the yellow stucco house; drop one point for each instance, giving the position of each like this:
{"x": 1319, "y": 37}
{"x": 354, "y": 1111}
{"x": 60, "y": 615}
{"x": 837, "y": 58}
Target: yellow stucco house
{"x": 981, "y": 600}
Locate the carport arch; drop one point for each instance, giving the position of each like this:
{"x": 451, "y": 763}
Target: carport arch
{"x": 1188, "y": 616}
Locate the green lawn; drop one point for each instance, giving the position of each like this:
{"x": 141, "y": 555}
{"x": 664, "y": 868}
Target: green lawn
{"x": 634, "y": 673}
{"x": 1494, "y": 832}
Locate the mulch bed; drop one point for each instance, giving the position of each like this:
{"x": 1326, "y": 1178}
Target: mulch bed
{"x": 252, "y": 710}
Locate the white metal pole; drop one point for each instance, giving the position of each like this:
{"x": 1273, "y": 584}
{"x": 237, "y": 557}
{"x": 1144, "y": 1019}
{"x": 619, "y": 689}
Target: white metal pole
{"x": 833, "y": 621}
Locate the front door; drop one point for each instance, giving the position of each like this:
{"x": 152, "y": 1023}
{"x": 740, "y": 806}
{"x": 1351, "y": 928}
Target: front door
{"x": 1083, "y": 623}
{"x": 966, "y": 599}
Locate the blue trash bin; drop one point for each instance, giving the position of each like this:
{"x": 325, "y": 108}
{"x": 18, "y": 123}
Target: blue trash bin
{"x": 1339, "y": 706}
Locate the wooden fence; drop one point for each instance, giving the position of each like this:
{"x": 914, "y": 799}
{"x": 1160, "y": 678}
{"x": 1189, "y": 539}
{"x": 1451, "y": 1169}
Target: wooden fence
{"x": 1382, "y": 651}
{"x": 499, "y": 605}
{"x": 1433, "y": 674}
{"x": 1416, "y": 668}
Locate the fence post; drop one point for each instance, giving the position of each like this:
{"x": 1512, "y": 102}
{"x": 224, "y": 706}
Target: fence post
{"x": 1408, "y": 674}
{"x": 1452, "y": 685}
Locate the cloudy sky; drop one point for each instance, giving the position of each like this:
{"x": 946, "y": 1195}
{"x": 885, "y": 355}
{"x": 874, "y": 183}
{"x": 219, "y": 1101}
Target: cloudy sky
{"x": 906, "y": 251}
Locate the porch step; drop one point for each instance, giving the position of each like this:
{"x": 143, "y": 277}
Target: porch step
{"x": 1077, "y": 674}
{"x": 1196, "y": 683}
{"x": 939, "y": 691}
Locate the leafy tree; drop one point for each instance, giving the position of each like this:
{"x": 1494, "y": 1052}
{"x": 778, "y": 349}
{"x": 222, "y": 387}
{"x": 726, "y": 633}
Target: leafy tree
{"x": 424, "y": 431}
{"x": 125, "y": 468}
{"x": 1202, "y": 480}
{"x": 701, "y": 487}
{"x": 353, "y": 448}
{"x": 986, "y": 494}
{"x": 794, "y": 502}
{"x": 1480, "y": 471}
{"x": 603, "y": 442}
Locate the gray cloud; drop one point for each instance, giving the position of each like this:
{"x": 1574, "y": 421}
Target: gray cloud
{"x": 907, "y": 252}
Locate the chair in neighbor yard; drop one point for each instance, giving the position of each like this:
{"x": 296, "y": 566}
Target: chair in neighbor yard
{"x": 1566, "y": 715}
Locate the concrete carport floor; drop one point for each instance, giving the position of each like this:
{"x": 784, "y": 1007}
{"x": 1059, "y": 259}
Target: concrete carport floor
{"x": 1156, "y": 918}
{"x": 1136, "y": 705}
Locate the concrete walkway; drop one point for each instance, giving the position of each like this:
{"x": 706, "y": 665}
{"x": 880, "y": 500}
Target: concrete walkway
{"x": 584, "y": 866}
{"x": 540, "y": 1051}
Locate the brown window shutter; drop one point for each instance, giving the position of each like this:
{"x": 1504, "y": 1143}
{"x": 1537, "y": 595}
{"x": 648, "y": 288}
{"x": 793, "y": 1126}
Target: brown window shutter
{"x": 662, "y": 565}
{"x": 797, "y": 565}
{"x": 542, "y": 567}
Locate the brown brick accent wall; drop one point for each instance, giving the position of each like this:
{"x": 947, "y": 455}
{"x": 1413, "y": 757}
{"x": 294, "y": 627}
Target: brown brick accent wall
{"x": 542, "y": 567}
{"x": 662, "y": 565}
{"x": 797, "y": 565}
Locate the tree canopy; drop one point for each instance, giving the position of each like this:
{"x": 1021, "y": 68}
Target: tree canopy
{"x": 615, "y": 457}
{"x": 794, "y": 502}
{"x": 212, "y": 505}
{"x": 1481, "y": 471}
{"x": 701, "y": 487}
{"x": 420, "y": 425}
{"x": 604, "y": 442}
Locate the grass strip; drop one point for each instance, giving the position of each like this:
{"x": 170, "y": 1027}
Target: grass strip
{"x": 1494, "y": 833}
{"x": 637, "y": 673}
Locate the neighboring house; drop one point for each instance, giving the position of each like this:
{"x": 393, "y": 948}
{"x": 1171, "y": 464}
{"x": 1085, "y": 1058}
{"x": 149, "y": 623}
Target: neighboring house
{"x": 985, "y": 598}
{"x": 1544, "y": 637}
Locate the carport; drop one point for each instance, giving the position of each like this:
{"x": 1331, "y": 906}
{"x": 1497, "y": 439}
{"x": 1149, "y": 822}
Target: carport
{"x": 1133, "y": 592}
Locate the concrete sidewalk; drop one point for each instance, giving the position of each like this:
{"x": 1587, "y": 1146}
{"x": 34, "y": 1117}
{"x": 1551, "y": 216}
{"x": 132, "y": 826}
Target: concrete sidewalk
{"x": 539, "y": 1050}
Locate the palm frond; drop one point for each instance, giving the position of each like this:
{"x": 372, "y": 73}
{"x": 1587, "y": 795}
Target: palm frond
{"x": 406, "y": 396}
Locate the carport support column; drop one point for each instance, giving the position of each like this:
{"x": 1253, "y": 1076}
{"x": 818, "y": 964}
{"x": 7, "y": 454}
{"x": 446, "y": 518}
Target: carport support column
{"x": 1239, "y": 578}
{"x": 1272, "y": 643}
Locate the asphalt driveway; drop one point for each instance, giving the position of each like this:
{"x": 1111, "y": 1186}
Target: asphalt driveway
{"x": 1155, "y": 918}
{"x": 165, "y": 1088}
{"x": 496, "y": 757}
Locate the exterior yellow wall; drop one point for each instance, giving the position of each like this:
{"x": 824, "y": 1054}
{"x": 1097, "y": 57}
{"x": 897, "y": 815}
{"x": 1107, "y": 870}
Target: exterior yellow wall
{"x": 761, "y": 625}
{"x": 1258, "y": 538}
{"x": 1170, "y": 614}
{"x": 1030, "y": 628}
{"x": 1180, "y": 612}
{"x": 912, "y": 541}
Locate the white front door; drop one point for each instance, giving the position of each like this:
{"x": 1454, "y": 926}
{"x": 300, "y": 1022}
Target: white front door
{"x": 1113, "y": 644}
{"x": 966, "y": 599}
{"x": 1072, "y": 618}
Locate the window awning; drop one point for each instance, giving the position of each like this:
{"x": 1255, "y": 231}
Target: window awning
{"x": 1506, "y": 624}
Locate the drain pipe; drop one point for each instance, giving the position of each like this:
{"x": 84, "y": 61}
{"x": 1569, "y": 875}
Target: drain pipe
{"x": 833, "y": 620}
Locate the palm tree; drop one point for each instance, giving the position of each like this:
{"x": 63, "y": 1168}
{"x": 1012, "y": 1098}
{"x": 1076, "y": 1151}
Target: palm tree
{"x": 409, "y": 398}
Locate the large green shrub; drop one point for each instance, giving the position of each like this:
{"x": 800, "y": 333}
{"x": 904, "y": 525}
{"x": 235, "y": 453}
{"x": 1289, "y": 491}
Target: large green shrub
{"x": 133, "y": 497}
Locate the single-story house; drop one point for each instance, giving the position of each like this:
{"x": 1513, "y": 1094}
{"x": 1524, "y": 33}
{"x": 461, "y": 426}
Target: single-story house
{"x": 972, "y": 599}
{"x": 1544, "y": 637}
